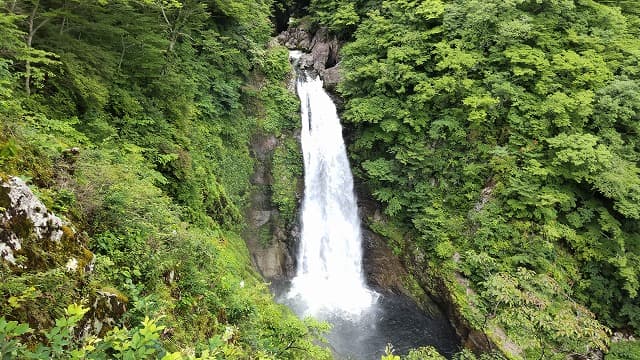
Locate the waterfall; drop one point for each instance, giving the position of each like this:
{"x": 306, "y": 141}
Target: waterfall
{"x": 329, "y": 274}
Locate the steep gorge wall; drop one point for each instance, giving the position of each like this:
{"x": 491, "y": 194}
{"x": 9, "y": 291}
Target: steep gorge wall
{"x": 388, "y": 271}
{"x": 272, "y": 236}
{"x": 272, "y": 240}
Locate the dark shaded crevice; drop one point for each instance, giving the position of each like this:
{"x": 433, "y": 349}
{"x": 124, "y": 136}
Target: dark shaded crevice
{"x": 283, "y": 10}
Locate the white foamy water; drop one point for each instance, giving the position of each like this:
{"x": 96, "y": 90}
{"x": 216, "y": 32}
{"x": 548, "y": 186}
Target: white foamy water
{"x": 329, "y": 277}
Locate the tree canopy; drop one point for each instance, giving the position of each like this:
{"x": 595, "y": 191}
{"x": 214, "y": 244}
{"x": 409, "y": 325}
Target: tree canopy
{"x": 506, "y": 133}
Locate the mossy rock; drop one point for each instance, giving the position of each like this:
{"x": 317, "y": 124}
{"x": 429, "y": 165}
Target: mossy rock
{"x": 107, "y": 306}
{"x": 5, "y": 201}
{"x": 38, "y": 240}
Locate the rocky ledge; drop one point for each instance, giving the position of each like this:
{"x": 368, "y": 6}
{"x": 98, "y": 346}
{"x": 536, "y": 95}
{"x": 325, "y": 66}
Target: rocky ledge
{"x": 320, "y": 52}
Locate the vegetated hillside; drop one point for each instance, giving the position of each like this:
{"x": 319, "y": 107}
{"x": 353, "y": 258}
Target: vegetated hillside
{"x": 502, "y": 139}
{"x": 131, "y": 120}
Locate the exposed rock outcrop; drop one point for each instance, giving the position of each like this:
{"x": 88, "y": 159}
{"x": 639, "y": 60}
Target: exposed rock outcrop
{"x": 270, "y": 241}
{"x": 107, "y": 306}
{"x": 24, "y": 217}
{"x": 410, "y": 274}
{"x": 32, "y": 238}
{"x": 321, "y": 52}
{"x": 295, "y": 39}
{"x": 46, "y": 258}
{"x": 384, "y": 270}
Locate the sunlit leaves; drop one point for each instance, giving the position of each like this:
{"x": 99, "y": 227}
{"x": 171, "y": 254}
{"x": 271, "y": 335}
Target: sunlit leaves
{"x": 380, "y": 169}
{"x": 338, "y": 16}
{"x": 509, "y": 128}
{"x": 536, "y": 305}
{"x": 453, "y": 59}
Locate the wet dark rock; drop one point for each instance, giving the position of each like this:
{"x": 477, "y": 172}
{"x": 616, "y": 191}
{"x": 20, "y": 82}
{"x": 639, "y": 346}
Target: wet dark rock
{"x": 321, "y": 53}
{"x": 269, "y": 240}
{"x": 262, "y": 147}
{"x": 383, "y": 270}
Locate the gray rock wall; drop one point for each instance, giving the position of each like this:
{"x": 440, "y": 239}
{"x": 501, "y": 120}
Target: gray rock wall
{"x": 271, "y": 241}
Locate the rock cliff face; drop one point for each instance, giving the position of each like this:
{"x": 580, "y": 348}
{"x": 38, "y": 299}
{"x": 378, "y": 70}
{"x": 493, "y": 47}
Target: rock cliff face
{"x": 321, "y": 52}
{"x": 386, "y": 271}
{"x": 270, "y": 240}
{"x": 273, "y": 246}
{"x": 408, "y": 273}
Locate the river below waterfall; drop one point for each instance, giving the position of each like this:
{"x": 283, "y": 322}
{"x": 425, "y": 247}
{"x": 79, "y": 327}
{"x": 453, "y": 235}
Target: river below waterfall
{"x": 329, "y": 283}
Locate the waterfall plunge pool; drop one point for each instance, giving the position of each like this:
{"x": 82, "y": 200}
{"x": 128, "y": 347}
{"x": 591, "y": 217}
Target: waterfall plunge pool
{"x": 393, "y": 319}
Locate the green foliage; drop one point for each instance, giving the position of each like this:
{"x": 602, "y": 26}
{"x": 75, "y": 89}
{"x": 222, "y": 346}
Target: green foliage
{"x": 505, "y": 134}
{"x": 342, "y": 16}
{"x": 9, "y": 344}
{"x": 338, "y": 15}
{"x": 388, "y": 353}
{"x": 624, "y": 350}
{"x": 138, "y": 343}
{"x": 529, "y": 305}
{"x": 141, "y": 342}
{"x": 424, "y": 353}
{"x": 287, "y": 170}
{"x": 132, "y": 121}
{"x": 280, "y": 109}
{"x": 276, "y": 66}
{"x": 468, "y": 355}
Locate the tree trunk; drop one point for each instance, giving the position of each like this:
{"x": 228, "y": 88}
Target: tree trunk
{"x": 27, "y": 71}
{"x": 32, "y": 32}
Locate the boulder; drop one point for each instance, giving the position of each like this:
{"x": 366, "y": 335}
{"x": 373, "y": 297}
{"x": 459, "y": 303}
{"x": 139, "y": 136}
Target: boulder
{"x": 23, "y": 215}
{"x": 324, "y": 50}
{"x": 321, "y": 53}
{"x": 107, "y": 306}
{"x": 331, "y": 77}
{"x": 295, "y": 39}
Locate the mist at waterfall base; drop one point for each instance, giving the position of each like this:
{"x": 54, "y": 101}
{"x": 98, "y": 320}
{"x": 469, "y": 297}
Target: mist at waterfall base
{"x": 393, "y": 319}
{"x": 329, "y": 283}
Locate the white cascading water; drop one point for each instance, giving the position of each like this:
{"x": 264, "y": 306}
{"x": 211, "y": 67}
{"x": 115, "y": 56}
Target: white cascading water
{"x": 329, "y": 275}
